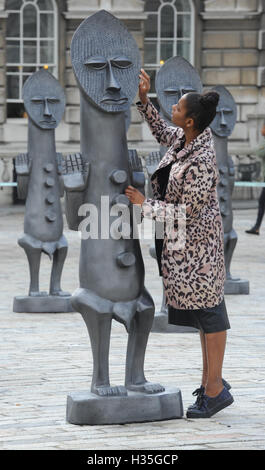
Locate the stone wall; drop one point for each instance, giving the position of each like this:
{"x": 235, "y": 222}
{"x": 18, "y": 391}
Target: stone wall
{"x": 232, "y": 56}
{"x": 2, "y": 66}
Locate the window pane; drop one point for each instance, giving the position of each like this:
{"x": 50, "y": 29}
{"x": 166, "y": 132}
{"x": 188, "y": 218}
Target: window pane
{"x": 13, "y": 4}
{"x": 167, "y": 22}
{"x": 30, "y": 22}
{"x": 152, "y": 5}
{"x": 184, "y": 26}
{"x": 183, "y": 49}
{"x": 29, "y": 52}
{"x": 12, "y": 69}
{"x": 150, "y": 30}
{"x": 24, "y": 78}
{"x": 182, "y": 5}
{"x": 12, "y": 25}
{"x": 45, "y": 4}
{"x": 152, "y": 75}
{"x": 46, "y": 25}
{"x": 12, "y": 52}
{"x": 15, "y": 110}
{"x": 150, "y": 52}
{"x": 46, "y": 52}
{"x": 13, "y": 87}
{"x": 29, "y": 70}
{"x": 166, "y": 50}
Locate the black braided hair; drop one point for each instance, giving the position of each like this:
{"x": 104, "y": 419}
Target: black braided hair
{"x": 202, "y": 108}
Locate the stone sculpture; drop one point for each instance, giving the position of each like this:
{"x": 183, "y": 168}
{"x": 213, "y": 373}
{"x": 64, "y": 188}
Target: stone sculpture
{"x": 222, "y": 127}
{"x": 106, "y": 65}
{"x": 175, "y": 78}
{"x": 40, "y": 182}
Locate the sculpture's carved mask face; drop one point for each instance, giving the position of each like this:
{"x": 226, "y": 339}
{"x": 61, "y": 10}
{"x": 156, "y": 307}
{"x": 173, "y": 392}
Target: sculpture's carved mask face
{"x": 106, "y": 62}
{"x": 44, "y": 99}
{"x": 175, "y": 78}
{"x": 226, "y": 113}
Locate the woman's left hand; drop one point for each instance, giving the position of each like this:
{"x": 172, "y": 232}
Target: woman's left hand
{"x": 135, "y": 196}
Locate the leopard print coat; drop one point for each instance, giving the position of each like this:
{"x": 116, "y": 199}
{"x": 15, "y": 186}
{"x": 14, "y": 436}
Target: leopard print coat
{"x": 194, "y": 273}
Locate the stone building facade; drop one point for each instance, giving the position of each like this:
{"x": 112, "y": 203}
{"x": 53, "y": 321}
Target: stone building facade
{"x": 223, "y": 39}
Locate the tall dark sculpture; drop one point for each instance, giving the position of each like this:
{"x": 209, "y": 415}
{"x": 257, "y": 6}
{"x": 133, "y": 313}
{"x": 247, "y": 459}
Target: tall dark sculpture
{"x": 175, "y": 78}
{"x": 106, "y": 64}
{"x": 222, "y": 127}
{"x": 40, "y": 182}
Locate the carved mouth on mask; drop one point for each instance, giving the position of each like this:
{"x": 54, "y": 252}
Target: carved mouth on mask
{"x": 111, "y": 100}
{"x": 48, "y": 122}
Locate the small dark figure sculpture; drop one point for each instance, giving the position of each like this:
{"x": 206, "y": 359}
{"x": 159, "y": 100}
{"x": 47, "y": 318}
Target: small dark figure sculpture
{"x": 106, "y": 64}
{"x": 40, "y": 182}
{"x": 222, "y": 127}
{"x": 175, "y": 78}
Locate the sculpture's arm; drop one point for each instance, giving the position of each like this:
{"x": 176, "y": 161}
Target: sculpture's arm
{"x": 137, "y": 179}
{"x": 75, "y": 180}
{"x": 22, "y": 165}
{"x": 60, "y": 166}
{"x": 152, "y": 161}
{"x": 136, "y": 171}
{"x": 75, "y": 173}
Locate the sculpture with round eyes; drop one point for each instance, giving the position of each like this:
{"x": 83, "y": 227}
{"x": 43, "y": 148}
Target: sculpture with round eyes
{"x": 106, "y": 64}
{"x": 40, "y": 183}
{"x": 222, "y": 127}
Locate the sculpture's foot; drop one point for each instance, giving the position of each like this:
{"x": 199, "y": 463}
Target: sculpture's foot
{"x": 146, "y": 387}
{"x": 33, "y": 293}
{"x": 60, "y": 293}
{"x": 108, "y": 391}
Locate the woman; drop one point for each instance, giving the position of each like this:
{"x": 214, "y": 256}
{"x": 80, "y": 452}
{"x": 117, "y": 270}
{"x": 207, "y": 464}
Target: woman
{"x": 260, "y": 152}
{"x": 193, "y": 276}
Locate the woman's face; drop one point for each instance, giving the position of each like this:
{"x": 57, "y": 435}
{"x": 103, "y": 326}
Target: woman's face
{"x": 178, "y": 115}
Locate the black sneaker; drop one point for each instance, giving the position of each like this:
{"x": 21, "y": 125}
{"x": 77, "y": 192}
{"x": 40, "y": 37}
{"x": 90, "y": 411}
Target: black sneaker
{"x": 209, "y": 406}
{"x": 226, "y": 384}
{"x": 253, "y": 230}
{"x": 200, "y": 391}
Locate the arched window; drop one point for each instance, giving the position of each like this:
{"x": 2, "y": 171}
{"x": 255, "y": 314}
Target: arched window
{"x": 169, "y": 31}
{"x": 31, "y": 43}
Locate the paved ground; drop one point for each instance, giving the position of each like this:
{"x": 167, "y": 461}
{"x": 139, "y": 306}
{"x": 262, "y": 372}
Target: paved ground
{"x": 45, "y": 356}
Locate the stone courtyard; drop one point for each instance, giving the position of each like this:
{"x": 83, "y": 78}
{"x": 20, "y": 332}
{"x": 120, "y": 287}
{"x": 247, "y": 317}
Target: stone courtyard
{"x": 46, "y": 356}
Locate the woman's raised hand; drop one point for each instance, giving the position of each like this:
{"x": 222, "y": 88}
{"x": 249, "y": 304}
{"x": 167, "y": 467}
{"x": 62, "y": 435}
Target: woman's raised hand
{"x": 144, "y": 86}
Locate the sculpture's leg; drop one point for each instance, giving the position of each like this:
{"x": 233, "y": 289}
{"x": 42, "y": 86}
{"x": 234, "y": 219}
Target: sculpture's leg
{"x": 138, "y": 337}
{"x": 34, "y": 255}
{"x": 56, "y": 274}
{"x": 99, "y": 328}
{"x": 230, "y": 241}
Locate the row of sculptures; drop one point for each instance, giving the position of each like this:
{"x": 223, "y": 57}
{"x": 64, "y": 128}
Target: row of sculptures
{"x": 106, "y": 63}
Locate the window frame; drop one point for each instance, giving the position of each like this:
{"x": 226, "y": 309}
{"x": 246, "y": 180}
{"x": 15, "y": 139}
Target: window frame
{"x": 22, "y": 40}
{"x": 174, "y": 39}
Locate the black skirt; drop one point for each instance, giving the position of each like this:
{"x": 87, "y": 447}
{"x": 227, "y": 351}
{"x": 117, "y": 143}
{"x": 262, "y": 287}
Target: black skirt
{"x": 208, "y": 319}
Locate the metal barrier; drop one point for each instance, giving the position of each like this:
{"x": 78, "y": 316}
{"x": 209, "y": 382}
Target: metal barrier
{"x": 8, "y": 184}
{"x": 250, "y": 184}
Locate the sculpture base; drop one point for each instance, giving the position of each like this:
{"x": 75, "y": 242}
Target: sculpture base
{"x": 236, "y": 287}
{"x": 42, "y": 304}
{"x": 161, "y": 325}
{"x": 88, "y": 408}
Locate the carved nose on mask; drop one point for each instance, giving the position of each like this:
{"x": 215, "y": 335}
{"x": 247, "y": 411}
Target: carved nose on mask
{"x": 112, "y": 84}
{"x": 47, "y": 111}
{"x": 223, "y": 122}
